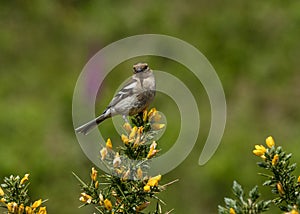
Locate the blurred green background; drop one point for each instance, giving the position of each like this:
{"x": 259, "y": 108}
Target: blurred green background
{"x": 253, "y": 45}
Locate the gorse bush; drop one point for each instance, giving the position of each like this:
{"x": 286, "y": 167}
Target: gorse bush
{"x": 15, "y": 199}
{"x": 284, "y": 185}
{"x": 127, "y": 187}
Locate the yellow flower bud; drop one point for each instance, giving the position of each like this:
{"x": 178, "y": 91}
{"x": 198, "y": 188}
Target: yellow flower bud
{"x": 153, "y": 145}
{"x": 28, "y": 210}
{"x": 103, "y": 153}
{"x": 293, "y": 212}
{"x": 12, "y": 207}
{"x": 127, "y": 127}
{"x": 298, "y": 179}
{"x": 118, "y": 171}
{"x": 139, "y": 173}
{"x": 138, "y": 137}
{"x": 24, "y": 179}
{"x": 145, "y": 115}
{"x": 157, "y": 126}
{"x": 94, "y": 174}
{"x": 152, "y": 150}
{"x": 1, "y": 192}
{"x": 108, "y": 144}
{"x": 133, "y": 133}
{"x": 147, "y": 188}
{"x": 114, "y": 193}
{"x": 231, "y": 211}
{"x": 21, "y": 208}
{"x": 275, "y": 159}
{"x": 124, "y": 139}
{"x": 157, "y": 177}
{"x": 259, "y": 150}
{"x": 36, "y": 204}
{"x": 107, "y": 204}
{"x": 270, "y": 142}
{"x": 152, "y": 153}
{"x": 151, "y": 112}
{"x": 85, "y": 198}
{"x": 280, "y": 188}
{"x": 96, "y": 184}
{"x": 155, "y": 117}
{"x": 154, "y": 181}
{"x": 140, "y": 130}
{"x": 42, "y": 210}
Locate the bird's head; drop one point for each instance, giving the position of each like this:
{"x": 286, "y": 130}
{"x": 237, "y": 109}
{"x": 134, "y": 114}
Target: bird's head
{"x": 140, "y": 67}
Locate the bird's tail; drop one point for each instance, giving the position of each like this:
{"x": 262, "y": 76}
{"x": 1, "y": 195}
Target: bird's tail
{"x": 86, "y": 128}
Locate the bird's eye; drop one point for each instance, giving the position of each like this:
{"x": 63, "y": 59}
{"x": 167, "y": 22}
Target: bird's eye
{"x": 145, "y": 67}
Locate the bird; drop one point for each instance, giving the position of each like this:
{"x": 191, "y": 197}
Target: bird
{"x": 134, "y": 97}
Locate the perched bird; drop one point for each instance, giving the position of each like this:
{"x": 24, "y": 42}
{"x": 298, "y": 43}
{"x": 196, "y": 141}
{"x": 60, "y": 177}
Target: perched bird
{"x": 134, "y": 97}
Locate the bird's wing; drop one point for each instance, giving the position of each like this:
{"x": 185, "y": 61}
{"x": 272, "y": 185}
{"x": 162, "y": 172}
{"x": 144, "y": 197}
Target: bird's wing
{"x": 125, "y": 92}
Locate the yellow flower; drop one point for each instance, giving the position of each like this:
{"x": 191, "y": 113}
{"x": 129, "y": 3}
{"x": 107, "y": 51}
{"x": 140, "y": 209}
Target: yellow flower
{"x": 118, "y": 171}
{"x": 85, "y": 198}
{"x": 280, "y": 188}
{"x": 231, "y": 211}
{"x": 96, "y": 184}
{"x": 114, "y": 193}
{"x": 142, "y": 206}
{"x": 154, "y": 181}
{"x": 1, "y": 192}
{"x": 151, "y": 112}
{"x": 2, "y": 200}
{"x": 145, "y": 115}
{"x": 107, "y": 204}
{"x": 36, "y": 204}
{"x": 147, "y": 188}
{"x": 127, "y": 127}
{"x": 133, "y": 132}
{"x": 152, "y": 150}
{"x": 298, "y": 179}
{"x": 157, "y": 126}
{"x": 21, "y": 208}
{"x": 12, "y": 207}
{"x": 270, "y": 142}
{"x": 24, "y": 179}
{"x": 42, "y": 210}
{"x": 259, "y": 150}
{"x": 275, "y": 159}
{"x": 108, "y": 144}
{"x": 139, "y": 173}
{"x": 294, "y": 212}
{"x": 94, "y": 174}
{"x": 140, "y": 130}
{"x": 155, "y": 117}
{"x": 124, "y": 139}
{"x": 28, "y": 210}
{"x": 103, "y": 153}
